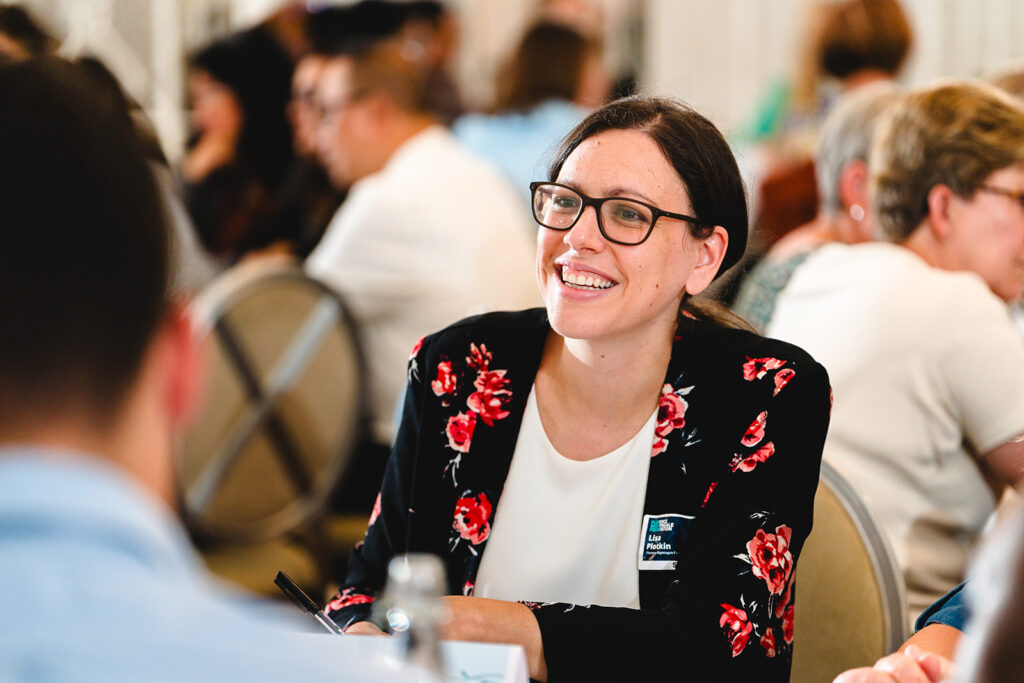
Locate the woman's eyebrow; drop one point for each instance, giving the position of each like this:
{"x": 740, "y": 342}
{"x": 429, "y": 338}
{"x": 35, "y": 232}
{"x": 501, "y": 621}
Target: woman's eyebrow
{"x": 614, "y": 192}
{"x": 617, "y": 191}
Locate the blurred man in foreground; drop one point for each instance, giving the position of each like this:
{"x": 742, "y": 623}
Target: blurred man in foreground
{"x": 97, "y": 373}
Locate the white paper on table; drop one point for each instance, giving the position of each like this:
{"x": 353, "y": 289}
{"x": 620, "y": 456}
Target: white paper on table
{"x": 477, "y": 662}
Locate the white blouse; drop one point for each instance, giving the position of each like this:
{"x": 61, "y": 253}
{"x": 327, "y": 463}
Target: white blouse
{"x": 566, "y": 530}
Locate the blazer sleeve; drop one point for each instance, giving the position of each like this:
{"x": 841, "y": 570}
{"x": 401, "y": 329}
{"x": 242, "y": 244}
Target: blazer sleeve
{"x": 387, "y": 531}
{"x": 728, "y": 611}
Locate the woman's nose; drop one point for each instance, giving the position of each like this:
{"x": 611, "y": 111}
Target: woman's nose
{"x": 585, "y": 235}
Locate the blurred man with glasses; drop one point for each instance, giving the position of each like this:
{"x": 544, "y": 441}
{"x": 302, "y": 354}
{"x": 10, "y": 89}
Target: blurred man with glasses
{"x": 428, "y": 234}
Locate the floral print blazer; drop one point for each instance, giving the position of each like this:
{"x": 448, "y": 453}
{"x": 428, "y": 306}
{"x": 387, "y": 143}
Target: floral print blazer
{"x": 736, "y": 453}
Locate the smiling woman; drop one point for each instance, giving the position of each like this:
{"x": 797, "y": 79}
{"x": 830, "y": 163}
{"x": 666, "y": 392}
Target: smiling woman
{"x": 615, "y": 473}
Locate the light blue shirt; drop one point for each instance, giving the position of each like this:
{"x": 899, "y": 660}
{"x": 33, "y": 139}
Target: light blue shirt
{"x": 98, "y": 582}
{"x": 521, "y": 144}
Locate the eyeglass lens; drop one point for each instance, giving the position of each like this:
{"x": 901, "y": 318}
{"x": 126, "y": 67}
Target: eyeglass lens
{"x": 621, "y": 220}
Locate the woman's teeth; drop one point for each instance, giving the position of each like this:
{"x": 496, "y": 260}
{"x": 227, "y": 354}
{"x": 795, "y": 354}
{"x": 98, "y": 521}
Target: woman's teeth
{"x": 585, "y": 280}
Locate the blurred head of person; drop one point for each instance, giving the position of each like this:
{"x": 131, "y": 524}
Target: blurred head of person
{"x": 425, "y": 30}
{"x": 93, "y": 357}
{"x": 105, "y": 80}
{"x": 302, "y": 110}
{"x": 841, "y": 162}
{"x": 21, "y": 36}
{"x": 863, "y": 36}
{"x": 240, "y": 88}
{"x": 947, "y": 175}
{"x": 852, "y": 42}
{"x": 1012, "y": 82}
{"x": 429, "y": 30}
{"x": 370, "y": 103}
{"x": 553, "y": 61}
{"x": 422, "y": 26}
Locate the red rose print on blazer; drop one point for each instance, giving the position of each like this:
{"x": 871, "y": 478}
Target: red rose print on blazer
{"x": 707, "y": 496}
{"x": 671, "y": 416}
{"x": 748, "y": 463}
{"x": 445, "y": 382}
{"x": 770, "y": 558}
{"x": 487, "y": 404}
{"x": 782, "y": 378}
{"x": 460, "y": 431}
{"x": 479, "y": 357}
{"x": 671, "y": 411}
{"x": 376, "y": 510}
{"x": 756, "y": 368}
{"x": 787, "y": 623}
{"x": 737, "y": 627}
{"x": 416, "y": 348}
{"x": 347, "y": 598}
{"x": 786, "y": 598}
{"x": 755, "y": 432}
{"x": 490, "y": 396}
{"x": 768, "y": 643}
{"x": 471, "y": 518}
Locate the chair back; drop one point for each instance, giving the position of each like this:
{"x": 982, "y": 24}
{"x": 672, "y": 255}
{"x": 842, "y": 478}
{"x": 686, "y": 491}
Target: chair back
{"x": 851, "y": 604}
{"x": 283, "y": 408}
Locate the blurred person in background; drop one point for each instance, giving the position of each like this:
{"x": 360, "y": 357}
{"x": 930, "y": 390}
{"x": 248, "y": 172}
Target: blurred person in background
{"x": 1013, "y": 83}
{"x": 927, "y": 367}
{"x": 21, "y": 36}
{"x": 846, "y": 44}
{"x": 554, "y": 78}
{"x": 308, "y": 192}
{"x": 940, "y": 627}
{"x": 844, "y": 213}
{"x": 993, "y": 643}
{"x": 430, "y": 37}
{"x": 235, "y": 166}
{"x": 428, "y": 234}
{"x": 99, "y": 374}
{"x": 309, "y": 199}
{"x": 425, "y": 29}
{"x": 191, "y": 266}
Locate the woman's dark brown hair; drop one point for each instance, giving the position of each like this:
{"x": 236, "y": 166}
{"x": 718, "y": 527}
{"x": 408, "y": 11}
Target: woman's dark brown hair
{"x": 700, "y": 156}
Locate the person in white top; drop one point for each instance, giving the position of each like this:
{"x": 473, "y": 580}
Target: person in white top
{"x": 429, "y": 233}
{"x": 927, "y": 368}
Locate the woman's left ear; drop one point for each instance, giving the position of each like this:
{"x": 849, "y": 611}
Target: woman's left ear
{"x": 709, "y": 259}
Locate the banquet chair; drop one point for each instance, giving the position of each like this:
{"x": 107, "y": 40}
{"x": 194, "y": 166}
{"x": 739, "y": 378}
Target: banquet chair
{"x": 282, "y": 415}
{"x": 851, "y": 605}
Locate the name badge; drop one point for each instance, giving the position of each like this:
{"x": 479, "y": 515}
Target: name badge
{"x": 660, "y": 539}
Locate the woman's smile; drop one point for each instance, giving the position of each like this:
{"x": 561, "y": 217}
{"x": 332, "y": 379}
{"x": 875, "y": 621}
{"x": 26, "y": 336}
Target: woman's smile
{"x": 582, "y": 278}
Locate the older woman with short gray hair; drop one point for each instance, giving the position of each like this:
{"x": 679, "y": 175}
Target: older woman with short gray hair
{"x": 844, "y": 213}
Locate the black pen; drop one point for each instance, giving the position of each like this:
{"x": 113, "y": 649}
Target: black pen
{"x": 289, "y": 588}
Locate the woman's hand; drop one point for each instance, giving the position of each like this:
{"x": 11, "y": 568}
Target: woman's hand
{"x": 364, "y": 628}
{"x": 913, "y": 665}
{"x": 496, "y": 621}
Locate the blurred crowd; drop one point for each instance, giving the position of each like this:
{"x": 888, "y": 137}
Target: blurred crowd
{"x": 887, "y": 240}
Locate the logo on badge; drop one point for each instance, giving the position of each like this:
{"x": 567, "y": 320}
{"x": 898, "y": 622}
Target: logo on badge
{"x": 661, "y": 537}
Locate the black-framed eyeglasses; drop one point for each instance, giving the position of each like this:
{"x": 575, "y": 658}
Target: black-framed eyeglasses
{"x": 1015, "y": 196}
{"x": 620, "y": 220}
